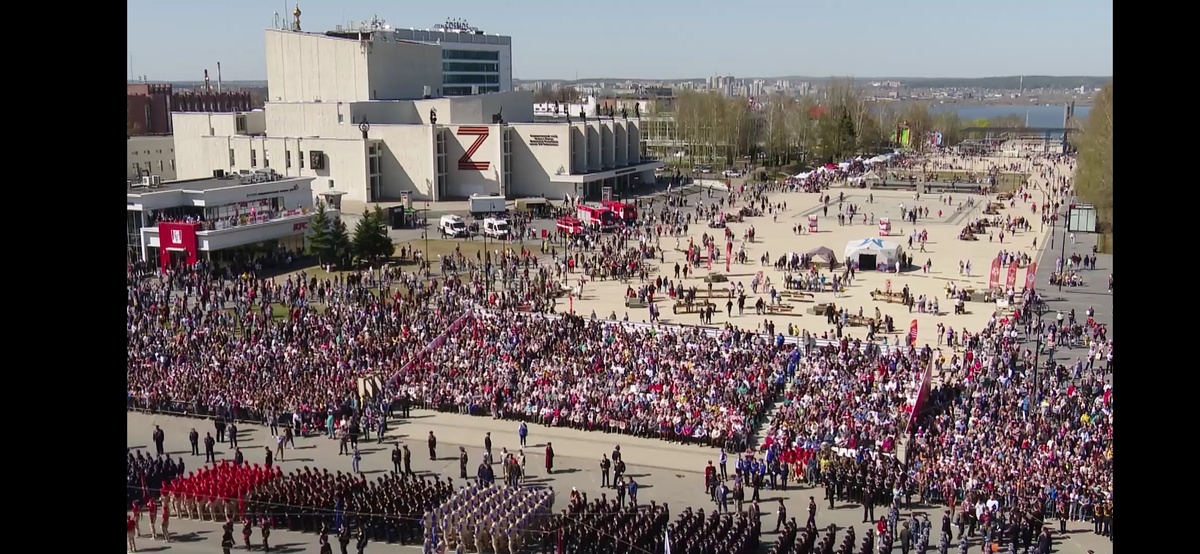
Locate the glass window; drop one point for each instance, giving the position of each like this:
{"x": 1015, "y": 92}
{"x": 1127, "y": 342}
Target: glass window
{"x": 253, "y": 158}
{"x": 484, "y": 55}
{"x": 470, "y": 79}
{"x": 471, "y": 67}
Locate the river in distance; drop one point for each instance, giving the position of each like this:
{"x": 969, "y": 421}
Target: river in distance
{"x": 1038, "y": 116}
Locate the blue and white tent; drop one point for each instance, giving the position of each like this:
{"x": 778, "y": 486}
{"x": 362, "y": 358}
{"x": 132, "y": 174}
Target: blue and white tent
{"x": 886, "y": 253}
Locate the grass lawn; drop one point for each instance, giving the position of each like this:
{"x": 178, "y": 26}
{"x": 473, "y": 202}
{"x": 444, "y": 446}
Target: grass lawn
{"x": 445, "y": 247}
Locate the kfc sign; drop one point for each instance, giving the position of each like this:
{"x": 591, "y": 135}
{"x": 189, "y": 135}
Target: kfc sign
{"x": 300, "y": 226}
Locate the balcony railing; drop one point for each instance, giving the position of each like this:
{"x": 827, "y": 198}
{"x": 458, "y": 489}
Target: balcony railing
{"x": 250, "y": 220}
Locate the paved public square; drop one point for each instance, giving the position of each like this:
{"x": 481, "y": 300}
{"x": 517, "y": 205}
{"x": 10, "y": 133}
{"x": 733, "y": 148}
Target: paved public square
{"x": 673, "y": 473}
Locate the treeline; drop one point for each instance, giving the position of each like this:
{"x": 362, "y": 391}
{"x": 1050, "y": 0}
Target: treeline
{"x": 1094, "y": 175}
{"x": 830, "y": 129}
{"x": 1012, "y": 82}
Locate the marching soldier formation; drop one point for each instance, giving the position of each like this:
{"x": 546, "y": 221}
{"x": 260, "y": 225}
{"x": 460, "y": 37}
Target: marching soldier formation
{"x": 385, "y": 510}
{"x": 145, "y": 473}
{"x": 693, "y": 533}
{"x": 487, "y": 519}
{"x": 602, "y": 526}
{"x": 212, "y": 493}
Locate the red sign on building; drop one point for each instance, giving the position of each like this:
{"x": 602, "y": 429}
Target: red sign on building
{"x": 177, "y": 236}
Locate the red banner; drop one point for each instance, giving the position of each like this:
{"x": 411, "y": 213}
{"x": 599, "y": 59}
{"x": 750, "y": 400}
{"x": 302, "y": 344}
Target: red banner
{"x": 1011, "y": 280}
{"x": 728, "y": 256}
{"x": 912, "y": 333}
{"x": 994, "y": 274}
{"x": 710, "y": 256}
{"x": 1030, "y": 276}
{"x": 922, "y": 397}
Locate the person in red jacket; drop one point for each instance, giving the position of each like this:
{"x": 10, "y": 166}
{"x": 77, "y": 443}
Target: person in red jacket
{"x": 130, "y": 532}
{"x": 152, "y": 512}
{"x": 166, "y": 521}
{"x": 710, "y": 480}
{"x": 137, "y": 519}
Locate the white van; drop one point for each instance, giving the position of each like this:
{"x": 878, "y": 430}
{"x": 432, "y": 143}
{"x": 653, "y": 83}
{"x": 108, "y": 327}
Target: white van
{"x": 496, "y": 228}
{"x": 453, "y": 226}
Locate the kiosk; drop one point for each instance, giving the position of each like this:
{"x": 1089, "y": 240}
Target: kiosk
{"x": 885, "y": 226}
{"x": 812, "y": 223}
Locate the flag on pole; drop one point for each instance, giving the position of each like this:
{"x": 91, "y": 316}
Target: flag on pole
{"x": 667, "y": 541}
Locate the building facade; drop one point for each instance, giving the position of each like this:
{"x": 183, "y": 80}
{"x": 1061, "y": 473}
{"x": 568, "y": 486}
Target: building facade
{"x": 181, "y": 222}
{"x": 149, "y": 105}
{"x": 366, "y": 116}
{"x": 472, "y": 62}
{"x": 150, "y": 155}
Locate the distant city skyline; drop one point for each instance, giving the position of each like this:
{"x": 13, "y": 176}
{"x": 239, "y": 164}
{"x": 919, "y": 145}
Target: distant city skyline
{"x": 668, "y": 39}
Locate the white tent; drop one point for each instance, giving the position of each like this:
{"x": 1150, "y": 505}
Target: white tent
{"x": 803, "y": 175}
{"x": 873, "y": 253}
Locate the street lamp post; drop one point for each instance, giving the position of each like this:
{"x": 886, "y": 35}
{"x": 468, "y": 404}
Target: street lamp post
{"x": 1040, "y": 309}
{"x": 1062, "y": 251}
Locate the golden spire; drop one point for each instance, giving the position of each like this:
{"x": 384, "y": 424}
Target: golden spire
{"x": 296, "y": 16}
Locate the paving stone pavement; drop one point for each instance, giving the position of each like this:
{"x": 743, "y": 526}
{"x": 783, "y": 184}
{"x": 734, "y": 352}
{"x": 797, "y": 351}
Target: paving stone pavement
{"x": 667, "y": 472}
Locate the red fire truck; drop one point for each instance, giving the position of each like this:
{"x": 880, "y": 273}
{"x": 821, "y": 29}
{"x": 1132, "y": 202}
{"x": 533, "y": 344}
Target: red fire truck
{"x": 625, "y": 211}
{"x": 569, "y": 225}
{"x": 600, "y": 218}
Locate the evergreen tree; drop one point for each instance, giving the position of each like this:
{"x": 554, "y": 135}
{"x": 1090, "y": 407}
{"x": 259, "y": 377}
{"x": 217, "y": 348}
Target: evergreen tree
{"x": 364, "y": 242}
{"x": 320, "y": 240}
{"x": 340, "y": 247}
{"x": 382, "y": 246}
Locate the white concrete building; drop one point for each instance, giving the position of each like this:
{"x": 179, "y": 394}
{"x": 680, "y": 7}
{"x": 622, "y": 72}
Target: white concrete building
{"x": 200, "y": 218}
{"x": 366, "y": 116}
{"x": 150, "y": 155}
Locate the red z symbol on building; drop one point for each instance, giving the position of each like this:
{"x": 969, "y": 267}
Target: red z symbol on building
{"x": 465, "y": 163}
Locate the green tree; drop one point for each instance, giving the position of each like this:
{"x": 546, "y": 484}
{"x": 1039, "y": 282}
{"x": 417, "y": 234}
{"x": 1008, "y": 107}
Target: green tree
{"x": 371, "y": 242}
{"x": 340, "y": 245}
{"x": 320, "y": 242}
{"x": 1094, "y": 174}
{"x": 383, "y": 246}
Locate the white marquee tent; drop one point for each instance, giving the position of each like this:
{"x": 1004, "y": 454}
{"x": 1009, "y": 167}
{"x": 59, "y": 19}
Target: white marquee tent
{"x": 873, "y": 253}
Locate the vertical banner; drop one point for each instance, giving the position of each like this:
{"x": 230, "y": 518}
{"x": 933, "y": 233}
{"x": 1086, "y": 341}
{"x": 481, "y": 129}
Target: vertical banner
{"x": 912, "y": 333}
{"x": 1030, "y": 276}
{"x": 178, "y": 236}
{"x": 922, "y": 396}
{"x": 1010, "y": 280}
{"x": 994, "y": 274}
{"x": 728, "y": 256}
{"x": 710, "y": 256}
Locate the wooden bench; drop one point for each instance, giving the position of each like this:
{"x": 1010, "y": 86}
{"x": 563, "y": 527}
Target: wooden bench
{"x": 715, "y": 293}
{"x": 784, "y": 309}
{"x": 694, "y": 307}
{"x": 889, "y": 297}
{"x": 634, "y": 302}
{"x": 790, "y": 294}
{"x": 819, "y": 309}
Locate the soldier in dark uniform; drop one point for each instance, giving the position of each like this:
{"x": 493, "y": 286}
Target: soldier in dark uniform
{"x": 361, "y": 543}
{"x": 396, "y": 458}
{"x": 266, "y": 536}
{"x": 407, "y": 461}
{"x": 323, "y": 541}
{"x": 226, "y": 537}
{"x": 344, "y": 538}
{"x": 829, "y": 490}
{"x": 462, "y": 461}
{"x": 868, "y": 503}
{"x": 432, "y": 446}
{"x": 247, "y": 532}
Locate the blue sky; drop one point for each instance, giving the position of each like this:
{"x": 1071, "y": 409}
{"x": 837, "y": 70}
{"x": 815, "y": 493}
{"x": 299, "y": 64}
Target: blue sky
{"x": 670, "y": 39}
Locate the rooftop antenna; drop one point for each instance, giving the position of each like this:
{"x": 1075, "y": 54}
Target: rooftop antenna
{"x": 207, "y": 85}
{"x": 218, "y": 77}
{"x": 275, "y": 25}
{"x": 132, "y": 77}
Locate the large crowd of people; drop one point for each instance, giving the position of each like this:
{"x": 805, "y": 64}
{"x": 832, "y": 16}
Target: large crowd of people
{"x": 1005, "y": 447}
{"x": 685, "y": 385}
